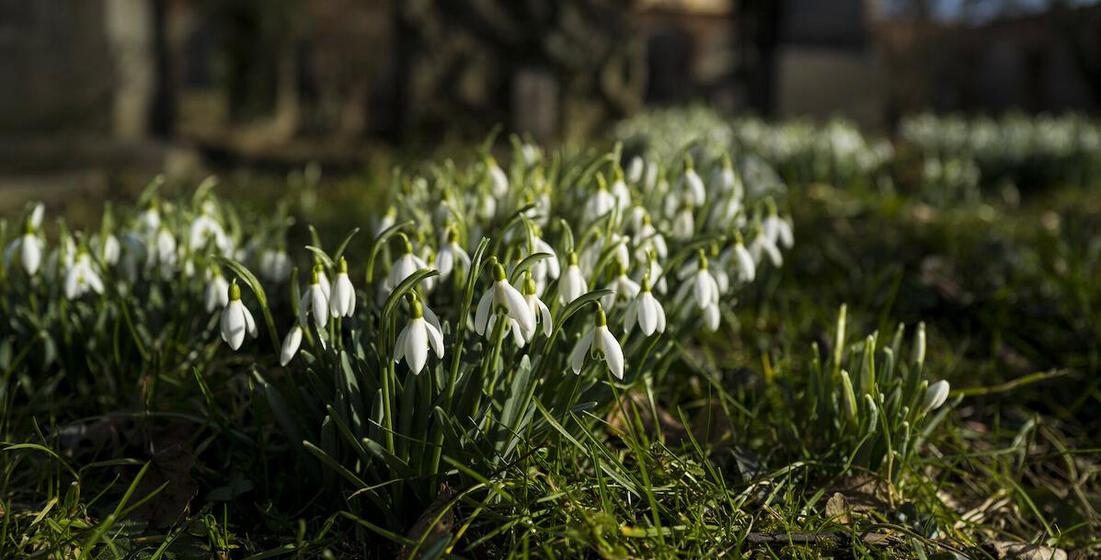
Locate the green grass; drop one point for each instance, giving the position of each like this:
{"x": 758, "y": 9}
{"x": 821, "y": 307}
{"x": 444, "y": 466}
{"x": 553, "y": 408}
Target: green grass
{"x": 739, "y": 445}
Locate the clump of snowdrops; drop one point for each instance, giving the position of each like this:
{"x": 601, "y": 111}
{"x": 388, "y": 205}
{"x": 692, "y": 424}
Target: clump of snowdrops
{"x": 801, "y": 151}
{"x": 501, "y": 303}
{"x": 805, "y": 152}
{"x": 1026, "y": 151}
{"x": 102, "y": 313}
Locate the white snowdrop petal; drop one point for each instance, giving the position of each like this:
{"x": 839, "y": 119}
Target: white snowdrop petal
{"x": 613, "y": 353}
{"x": 416, "y": 344}
{"x": 435, "y": 338}
{"x": 482, "y": 315}
{"x": 580, "y": 350}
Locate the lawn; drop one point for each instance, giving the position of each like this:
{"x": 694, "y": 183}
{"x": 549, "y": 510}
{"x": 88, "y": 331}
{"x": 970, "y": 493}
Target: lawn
{"x": 697, "y": 337}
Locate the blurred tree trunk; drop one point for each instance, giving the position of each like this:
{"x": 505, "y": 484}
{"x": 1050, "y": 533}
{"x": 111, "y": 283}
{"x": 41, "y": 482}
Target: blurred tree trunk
{"x": 759, "y": 27}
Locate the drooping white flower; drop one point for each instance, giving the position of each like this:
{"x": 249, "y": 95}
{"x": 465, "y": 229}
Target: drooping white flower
{"x": 572, "y": 284}
{"x": 291, "y": 342}
{"x": 503, "y": 296}
{"x": 599, "y": 203}
{"x": 163, "y": 256}
{"x": 487, "y": 206}
{"x": 654, "y": 270}
{"x": 342, "y": 296}
{"x": 620, "y": 192}
{"x": 684, "y": 223}
{"x": 416, "y": 338}
{"x": 82, "y": 276}
{"x": 694, "y": 193}
{"x": 762, "y": 245}
{"x": 236, "y": 321}
{"x": 543, "y": 268}
{"x": 37, "y": 216}
{"x": 323, "y": 279}
{"x": 314, "y": 301}
{"x": 451, "y": 256}
{"x": 599, "y": 344}
{"x": 275, "y": 265}
{"x": 635, "y": 170}
{"x": 645, "y": 311}
{"x": 498, "y": 181}
{"x": 29, "y": 247}
{"x": 205, "y": 229}
{"x": 778, "y": 231}
{"x": 648, "y": 239}
{"x": 703, "y": 288}
{"x": 404, "y": 267}
{"x": 622, "y": 287}
{"x": 539, "y": 311}
{"x": 110, "y": 250}
{"x": 621, "y": 255}
{"x": 739, "y": 258}
{"x": 388, "y": 220}
{"x": 216, "y": 293}
{"x": 935, "y": 396}
{"x": 149, "y": 221}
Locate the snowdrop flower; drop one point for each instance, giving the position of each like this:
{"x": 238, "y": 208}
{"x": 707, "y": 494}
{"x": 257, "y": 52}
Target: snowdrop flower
{"x": 650, "y": 180}
{"x": 702, "y": 285}
{"x": 29, "y": 247}
{"x": 342, "y": 302}
{"x": 404, "y": 267}
{"x": 37, "y": 215}
{"x": 486, "y": 205}
{"x": 684, "y": 224}
{"x": 691, "y": 184}
{"x": 622, "y": 287}
{"x": 291, "y": 342}
{"x": 763, "y": 245}
{"x": 504, "y": 296}
{"x": 635, "y": 170}
{"x": 599, "y": 203}
{"x": 531, "y": 154}
{"x": 216, "y": 294}
{"x": 110, "y": 250}
{"x": 388, "y": 220}
{"x": 645, "y": 311}
{"x": 323, "y": 279}
{"x": 236, "y": 321}
{"x": 452, "y": 256}
{"x": 620, "y": 191}
{"x": 275, "y": 265}
{"x": 573, "y": 284}
{"x": 935, "y": 396}
{"x": 738, "y": 256}
{"x": 539, "y": 310}
{"x": 654, "y": 270}
{"x": 621, "y": 255}
{"x": 778, "y": 230}
{"x": 599, "y": 344}
{"x": 149, "y": 221}
{"x": 543, "y": 268}
{"x": 314, "y": 301}
{"x": 82, "y": 276}
{"x": 163, "y": 254}
{"x": 704, "y": 289}
{"x": 648, "y": 239}
{"x": 498, "y": 181}
{"x": 416, "y": 338}
{"x": 206, "y": 229}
